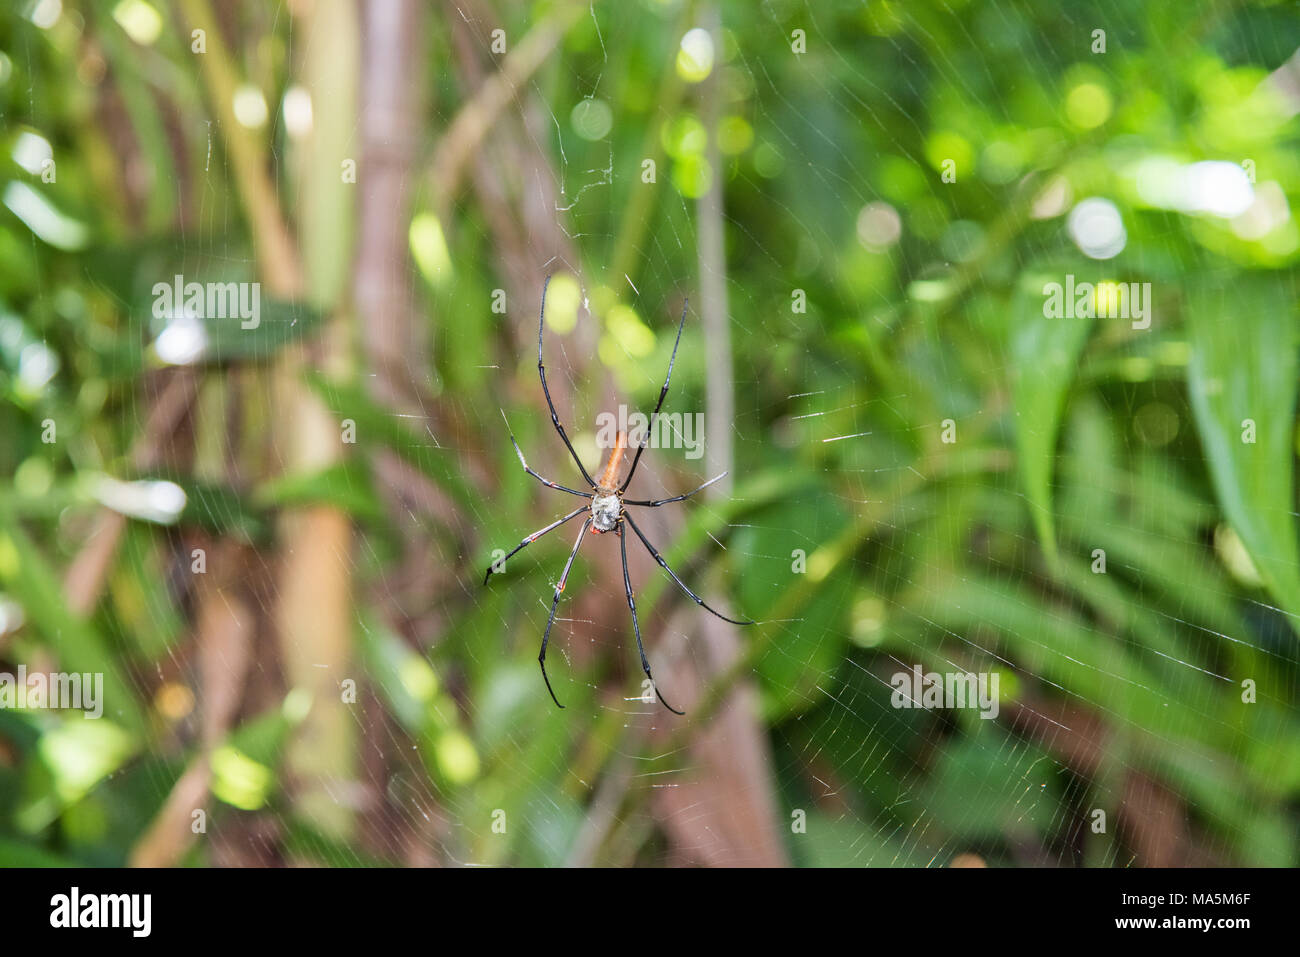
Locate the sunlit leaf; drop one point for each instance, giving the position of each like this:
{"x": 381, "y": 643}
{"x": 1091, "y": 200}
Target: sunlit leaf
{"x": 1242, "y": 382}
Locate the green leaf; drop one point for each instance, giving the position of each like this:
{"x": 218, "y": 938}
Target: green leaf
{"x": 16, "y": 854}
{"x": 222, "y": 510}
{"x": 76, "y": 643}
{"x": 1044, "y": 354}
{"x": 377, "y": 424}
{"x": 278, "y": 323}
{"x": 1242, "y": 379}
{"x": 231, "y": 316}
{"x": 345, "y": 485}
{"x": 806, "y": 655}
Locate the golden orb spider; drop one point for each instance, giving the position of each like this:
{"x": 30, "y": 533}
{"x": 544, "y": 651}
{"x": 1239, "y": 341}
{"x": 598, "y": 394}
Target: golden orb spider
{"x": 607, "y": 511}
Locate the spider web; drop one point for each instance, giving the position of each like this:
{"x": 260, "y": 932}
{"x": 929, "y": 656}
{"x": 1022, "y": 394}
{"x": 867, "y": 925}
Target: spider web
{"x": 881, "y": 785}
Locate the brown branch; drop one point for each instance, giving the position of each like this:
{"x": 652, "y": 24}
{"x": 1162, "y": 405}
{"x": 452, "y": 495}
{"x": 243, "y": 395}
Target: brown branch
{"x": 390, "y": 115}
{"x": 734, "y": 816}
{"x": 224, "y": 635}
{"x": 471, "y": 124}
{"x": 277, "y": 256}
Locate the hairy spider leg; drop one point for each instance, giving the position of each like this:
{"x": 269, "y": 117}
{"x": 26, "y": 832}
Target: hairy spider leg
{"x": 532, "y": 538}
{"x": 675, "y": 498}
{"x": 545, "y": 481}
{"x": 541, "y": 372}
{"x": 664, "y": 565}
{"x": 546, "y": 636}
{"x": 658, "y": 405}
{"x": 636, "y": 627}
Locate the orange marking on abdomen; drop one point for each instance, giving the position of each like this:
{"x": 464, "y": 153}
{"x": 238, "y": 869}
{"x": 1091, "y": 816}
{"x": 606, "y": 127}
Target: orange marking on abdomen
{"x": 608, "y": 477}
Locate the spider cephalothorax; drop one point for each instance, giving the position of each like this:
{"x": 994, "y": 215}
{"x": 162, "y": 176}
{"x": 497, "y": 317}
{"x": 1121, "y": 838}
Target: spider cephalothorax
{"x": 606, "y": 511}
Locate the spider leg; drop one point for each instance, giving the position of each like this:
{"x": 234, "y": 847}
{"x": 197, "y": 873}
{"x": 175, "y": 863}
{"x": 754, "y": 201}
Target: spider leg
{"x": 541, "y": 657}
{"x": 636, "y": 627}
{"x": 664, "y": 565}
{"x": 677, "y": 498}
{"x": 541, "y": 372}
{"x": 532, "y": 538}
{"x": 658, "y": 405}
{"x": 545, "y": 481}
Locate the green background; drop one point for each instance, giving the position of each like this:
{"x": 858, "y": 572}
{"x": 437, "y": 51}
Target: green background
{"x": 338, "y": 688}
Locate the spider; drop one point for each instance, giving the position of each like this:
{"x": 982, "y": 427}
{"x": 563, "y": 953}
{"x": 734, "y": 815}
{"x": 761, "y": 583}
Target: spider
{"x": 607, "y": 511}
